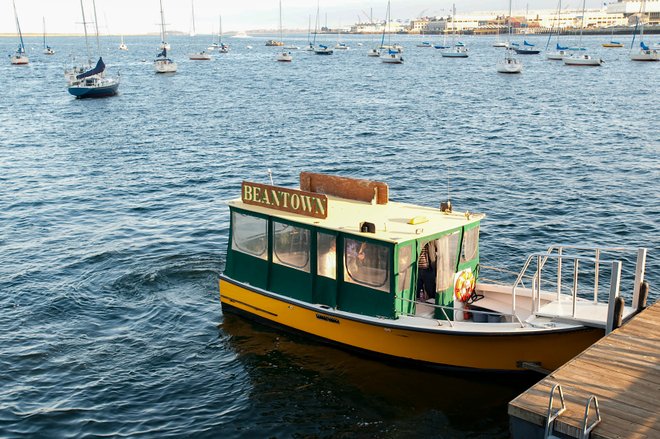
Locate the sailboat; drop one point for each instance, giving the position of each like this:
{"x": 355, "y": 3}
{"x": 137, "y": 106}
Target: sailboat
{"x": 389, "y": 55}
{"x": 283, "y": 56}
{"x": 19, "y": 58}
{"x": 459, "y": 50}
{"x": 645, "y": 53}
{"x": 340, "y": 45}
{"x": 197, "y": 56}
{"x": 498, "y": 42}
{"x": 162, "y": 64}
{"x": 310, "y": 45}
{"x": 321, "y": 49}
{"x": 612, "y": 44}
{"x": 47, "y": 49}
{"x": 444, "y": 40}
{"x": 560, "y": 51}
{"x": 91, "y": 82}
{"x": 582, "y": 59}
{"x": 223, "y": 47}
{"x": 122, "y": 45}
{"x": 510, "y": 64}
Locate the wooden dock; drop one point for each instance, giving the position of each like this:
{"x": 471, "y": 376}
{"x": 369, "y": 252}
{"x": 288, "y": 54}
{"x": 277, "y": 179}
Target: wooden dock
{"x": 622, "y": 370}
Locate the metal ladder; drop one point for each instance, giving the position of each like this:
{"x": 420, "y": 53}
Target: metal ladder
{"x": 552, "y": 415}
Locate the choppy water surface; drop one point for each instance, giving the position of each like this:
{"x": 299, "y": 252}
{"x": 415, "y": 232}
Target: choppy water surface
{"x": 113, "y": 228}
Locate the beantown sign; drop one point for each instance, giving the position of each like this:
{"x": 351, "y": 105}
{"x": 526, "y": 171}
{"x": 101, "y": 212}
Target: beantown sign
{"x": 287, "y": 200}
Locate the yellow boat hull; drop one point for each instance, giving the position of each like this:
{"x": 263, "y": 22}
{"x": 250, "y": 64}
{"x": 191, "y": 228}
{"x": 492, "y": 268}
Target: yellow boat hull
{"x": 491, "y": 351}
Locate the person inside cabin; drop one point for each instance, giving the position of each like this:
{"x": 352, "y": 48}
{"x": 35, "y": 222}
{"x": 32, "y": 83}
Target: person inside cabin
{"x": 328, "y": 261}
{"x": 425, "y": 275}
{"x": 354, "y": 257}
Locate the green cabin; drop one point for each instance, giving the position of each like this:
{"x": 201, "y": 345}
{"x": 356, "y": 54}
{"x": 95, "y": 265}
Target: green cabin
{"x": 339, "y": 242}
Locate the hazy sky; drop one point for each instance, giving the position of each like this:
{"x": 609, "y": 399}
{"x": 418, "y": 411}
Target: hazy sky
{"x": 142, "y": 16}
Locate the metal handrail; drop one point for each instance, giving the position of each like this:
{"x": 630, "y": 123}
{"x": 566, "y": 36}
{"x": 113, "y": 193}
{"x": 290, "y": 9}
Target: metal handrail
{"x": 586, "y": 429}
{"x": 550, "y": 416}
{"x": 445, "y": 307}
{"x": 542, "y": 258}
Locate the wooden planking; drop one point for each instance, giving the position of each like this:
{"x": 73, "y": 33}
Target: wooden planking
{"x": 622, "y": 370}
{"x": 345, "y": 187}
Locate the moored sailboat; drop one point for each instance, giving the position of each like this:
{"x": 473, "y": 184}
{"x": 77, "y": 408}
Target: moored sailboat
{"x": 337, "y": 259}
{"x": 458, "y": 50}
{"x": 284, "y": 55}
{"x": 122, "y": 44}
{"x": 321, "y": 49}
{"x": 560, "y": 51}
{"x": 582, "y": 59}
{"x": 47, "y": 49}
{"x": 196, "y": 56}
{"x": 91, "y": 82}
{"x": 20, "y": 57}
{"x": 645, "y": 53}
{"x": 612, "y": 44}
{"x": 162, "y": 63}
{"x": 388, "y": 54}
{"x": 509, "y": 64}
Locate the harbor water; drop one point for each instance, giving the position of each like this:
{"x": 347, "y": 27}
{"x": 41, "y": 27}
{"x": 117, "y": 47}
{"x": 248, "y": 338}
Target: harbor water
{"x": 113, "y": 226}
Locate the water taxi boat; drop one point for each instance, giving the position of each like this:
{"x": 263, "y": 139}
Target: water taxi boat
{"x": 338, "y": 260}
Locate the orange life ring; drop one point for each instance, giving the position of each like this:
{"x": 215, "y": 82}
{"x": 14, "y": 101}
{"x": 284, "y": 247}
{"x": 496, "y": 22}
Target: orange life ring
{"x": 464, "y": 285}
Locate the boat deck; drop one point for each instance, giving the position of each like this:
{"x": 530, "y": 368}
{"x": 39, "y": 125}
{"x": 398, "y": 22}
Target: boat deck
{"x": 622, "y": 370}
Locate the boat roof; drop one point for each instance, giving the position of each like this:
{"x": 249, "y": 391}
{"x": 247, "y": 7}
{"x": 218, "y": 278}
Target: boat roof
{"x": 394, "y": 221}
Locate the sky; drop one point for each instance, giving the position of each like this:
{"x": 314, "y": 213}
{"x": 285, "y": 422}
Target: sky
{"x": 143, "y": 16}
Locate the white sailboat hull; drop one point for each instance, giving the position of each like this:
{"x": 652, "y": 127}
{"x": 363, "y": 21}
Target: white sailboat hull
{"x": 582, "y": 60}
{"x": 284, "y": 57}
{"x": 645, "y": 55}
{"x": 199, "y": 56}
{"x": 19, "y": 60}
{"x": 391, "y": 58}
{"x": 509, "y": 66}
{"x": 557, "y": 56}
{"x": 165, "y": 66}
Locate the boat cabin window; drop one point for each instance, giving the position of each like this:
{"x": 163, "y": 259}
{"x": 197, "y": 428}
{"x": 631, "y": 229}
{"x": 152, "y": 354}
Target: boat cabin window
{"x": 326, "y": 255}
{"x": 446, "y": 254}
{"x": 367, "y": 264}
{"x": 405, "y": 267}
{"x": 291, "y": 246}
{"x": 470, "y": 244}
{"x": 250, "y": 235}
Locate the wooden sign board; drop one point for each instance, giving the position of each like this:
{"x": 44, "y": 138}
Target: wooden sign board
{"x": 284, "y": 199}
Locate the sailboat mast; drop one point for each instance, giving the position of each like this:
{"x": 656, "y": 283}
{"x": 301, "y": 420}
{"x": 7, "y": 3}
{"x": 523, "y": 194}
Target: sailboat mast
{"x": 641, "y": 32}
{"x": 96, "y": 25}
{"x": 44, "y": 23}
{"x": 582, "y": 23}
{"x": 220, "y": 32}
{"x": 387, "y": 19}
{"x": 18, "y": 28}
{"x": 162, "y": 22}
{"x": 192, "y": 4}
{"x": 281, "y": 38}
{"x": 316, "y": 23}
{"x": 509, "y": 25}
{"x": 82, "y": 9}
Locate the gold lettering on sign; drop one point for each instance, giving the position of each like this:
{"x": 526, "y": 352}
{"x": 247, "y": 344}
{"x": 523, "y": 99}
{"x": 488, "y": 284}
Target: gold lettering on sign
{"x": 287, "y": 200}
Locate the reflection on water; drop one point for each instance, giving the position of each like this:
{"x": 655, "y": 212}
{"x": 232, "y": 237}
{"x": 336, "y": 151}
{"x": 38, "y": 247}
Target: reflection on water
{"x": 293, "y": 378}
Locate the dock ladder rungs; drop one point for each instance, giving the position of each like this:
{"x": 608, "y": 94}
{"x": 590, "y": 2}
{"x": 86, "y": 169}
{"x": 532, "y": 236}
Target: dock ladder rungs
{"x": 586, "y": 430}
{"x": 553, "y": 415}
{"x": 550, "y": 417}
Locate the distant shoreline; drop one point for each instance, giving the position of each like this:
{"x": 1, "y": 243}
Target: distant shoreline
{"x": 655, "y": 30}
